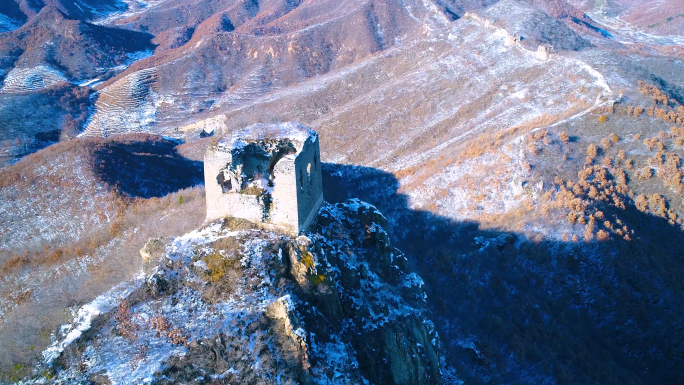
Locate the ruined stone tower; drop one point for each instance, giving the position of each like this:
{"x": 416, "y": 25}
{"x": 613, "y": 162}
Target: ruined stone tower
{"x": 269, "y": 174}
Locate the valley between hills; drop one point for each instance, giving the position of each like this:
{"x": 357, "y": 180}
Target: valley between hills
{"x": 519, "y": 162}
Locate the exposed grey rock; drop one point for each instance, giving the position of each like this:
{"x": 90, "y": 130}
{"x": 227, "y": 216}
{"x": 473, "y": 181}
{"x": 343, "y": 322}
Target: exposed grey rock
{"x": 158, "y": 282}
{"x": 153, "y": 249}
{"x": 356, "y": 278}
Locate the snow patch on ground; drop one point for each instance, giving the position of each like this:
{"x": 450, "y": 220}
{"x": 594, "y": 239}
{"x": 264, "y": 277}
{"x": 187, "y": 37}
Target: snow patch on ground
{"x": 8, "y": 24}
{"x": 629, "y": 34}
{"x": 496, "y": 193}
{"x": 340, "y": 358}
{"x": 289, "y": 130}
{"x": 132, "y": 8}
{"x": 86, "y": 314}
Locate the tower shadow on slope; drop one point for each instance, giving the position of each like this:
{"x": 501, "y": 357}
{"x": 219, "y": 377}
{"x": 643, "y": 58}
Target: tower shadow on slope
{"x": 145, "y": 166}
{"x": 514, "y": 310}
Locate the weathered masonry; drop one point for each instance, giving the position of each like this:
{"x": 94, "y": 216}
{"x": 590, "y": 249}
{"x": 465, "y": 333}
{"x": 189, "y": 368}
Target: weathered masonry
{"x": 269, "y": 174}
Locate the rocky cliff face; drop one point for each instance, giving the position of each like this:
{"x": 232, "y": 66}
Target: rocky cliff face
{"x": 232, "y": 304}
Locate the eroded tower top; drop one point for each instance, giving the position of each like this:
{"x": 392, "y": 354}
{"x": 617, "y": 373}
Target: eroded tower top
{"x": 269, "y": 174}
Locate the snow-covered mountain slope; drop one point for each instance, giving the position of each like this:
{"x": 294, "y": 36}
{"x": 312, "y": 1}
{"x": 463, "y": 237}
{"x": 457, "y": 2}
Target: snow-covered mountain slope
{"x": 333, "y": 307}
{"x": 546, "y": 177}
{"x": 651, "y": 20}
{"x": 221, "y": 68}
{"x": 11, "y": 16}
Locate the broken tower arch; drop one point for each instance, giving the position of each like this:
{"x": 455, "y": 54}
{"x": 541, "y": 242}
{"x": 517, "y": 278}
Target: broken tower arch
{"x": 269, "y": 174}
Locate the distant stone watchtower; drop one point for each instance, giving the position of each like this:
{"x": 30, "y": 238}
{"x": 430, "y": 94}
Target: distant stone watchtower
{"x": 268, "y": 174}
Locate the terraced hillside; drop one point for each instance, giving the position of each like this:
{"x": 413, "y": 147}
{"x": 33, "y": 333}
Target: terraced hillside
{"x": 129, "y": 102}
{"x": 31, "y": 79}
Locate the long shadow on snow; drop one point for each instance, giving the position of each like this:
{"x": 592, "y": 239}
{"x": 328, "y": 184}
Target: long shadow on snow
{"x": 146, "y": 168}
{"x": 514, "y": 310}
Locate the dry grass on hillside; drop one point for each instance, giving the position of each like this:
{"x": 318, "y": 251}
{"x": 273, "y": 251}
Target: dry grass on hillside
{"x": 63, "y": 224}
{"x": 487, "y": 167}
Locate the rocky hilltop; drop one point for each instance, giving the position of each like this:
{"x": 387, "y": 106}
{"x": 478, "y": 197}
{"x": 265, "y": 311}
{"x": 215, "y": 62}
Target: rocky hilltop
{"x": 229, "y": 303}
